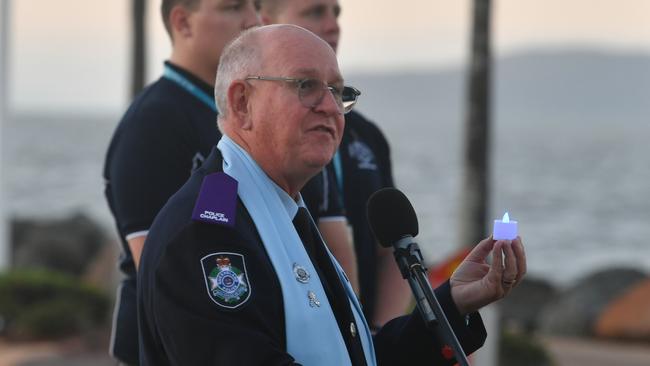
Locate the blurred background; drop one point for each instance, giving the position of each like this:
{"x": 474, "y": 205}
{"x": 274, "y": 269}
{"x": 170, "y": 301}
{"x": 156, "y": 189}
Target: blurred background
{"x": 569, "y": 128}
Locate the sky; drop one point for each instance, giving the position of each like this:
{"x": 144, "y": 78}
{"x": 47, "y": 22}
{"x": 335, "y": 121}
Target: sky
{"x": 73, "y": 55}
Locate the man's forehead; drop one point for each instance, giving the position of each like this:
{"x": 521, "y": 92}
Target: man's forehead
{"x": 332, "y": 74}
{"x": 297, "y": 50}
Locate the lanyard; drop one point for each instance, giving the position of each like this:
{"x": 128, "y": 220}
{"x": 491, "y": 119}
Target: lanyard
{"x": 190, "y": 87}
{"x": 338, "y": 171}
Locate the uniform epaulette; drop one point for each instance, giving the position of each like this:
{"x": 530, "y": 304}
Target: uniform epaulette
{"x": 217, "y": 200}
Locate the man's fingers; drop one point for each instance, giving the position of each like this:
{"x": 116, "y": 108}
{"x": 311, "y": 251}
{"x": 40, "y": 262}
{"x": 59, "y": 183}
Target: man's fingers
{"x": 520, "y": 255}
{"x": 495, "y": 274}
{"x": 481, "y": 250}
{"x": 510, "y": 270}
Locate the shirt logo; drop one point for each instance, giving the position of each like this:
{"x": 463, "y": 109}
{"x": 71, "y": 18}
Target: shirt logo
{"x": 226, "y": 279}
{"x": 364, "y": 156}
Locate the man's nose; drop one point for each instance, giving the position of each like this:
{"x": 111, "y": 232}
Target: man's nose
{"x": 329, "y": 104}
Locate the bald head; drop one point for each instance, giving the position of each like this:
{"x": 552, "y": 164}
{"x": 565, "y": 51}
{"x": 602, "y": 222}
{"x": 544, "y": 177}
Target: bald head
{"x": 278, "y": 94}
{"x": 252, "y": 49}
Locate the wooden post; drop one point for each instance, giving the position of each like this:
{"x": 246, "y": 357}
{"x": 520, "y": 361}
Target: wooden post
{"x": 139, "y": 51}
{"x": 475, "y": 194}
{"x": 476, "y": 178}
{"x": 5, "y": 18}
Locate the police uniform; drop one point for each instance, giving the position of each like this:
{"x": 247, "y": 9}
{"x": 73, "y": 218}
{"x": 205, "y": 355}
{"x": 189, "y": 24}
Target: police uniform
{"x": 209, "y": 293}
{"x": 166, "y": 133}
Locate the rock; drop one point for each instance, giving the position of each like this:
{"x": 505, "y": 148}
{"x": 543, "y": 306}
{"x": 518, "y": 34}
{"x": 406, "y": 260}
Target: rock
{"x": 68, "y": 244}
{"x": 575, "y": 310}
{"x": 627, "y": 317}
{"x": 519, "y": 311}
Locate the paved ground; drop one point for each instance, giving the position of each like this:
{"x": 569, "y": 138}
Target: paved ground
{"x": 578, "y": 352}
{"x": 86, "y": 351}
{"x": 566, "y": 351}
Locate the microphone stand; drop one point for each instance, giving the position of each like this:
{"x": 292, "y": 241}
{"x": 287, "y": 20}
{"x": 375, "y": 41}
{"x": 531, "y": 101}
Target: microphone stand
{"x": 409, "y": 260}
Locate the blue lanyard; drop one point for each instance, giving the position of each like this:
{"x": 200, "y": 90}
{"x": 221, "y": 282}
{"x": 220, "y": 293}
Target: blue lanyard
{"x": 338, "y": 170}
{"x": 184, "y": 83}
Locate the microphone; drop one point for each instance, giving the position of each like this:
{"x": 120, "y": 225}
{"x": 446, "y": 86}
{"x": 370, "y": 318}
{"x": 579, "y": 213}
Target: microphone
{"x": 394, "y": 223}
{"x": 391, "y": 216}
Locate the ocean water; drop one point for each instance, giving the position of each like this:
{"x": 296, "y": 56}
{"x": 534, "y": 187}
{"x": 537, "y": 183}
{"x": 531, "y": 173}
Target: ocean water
{"x": 571, "y": 166}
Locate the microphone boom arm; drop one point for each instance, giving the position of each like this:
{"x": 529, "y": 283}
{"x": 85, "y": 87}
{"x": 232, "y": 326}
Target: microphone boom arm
{"x": 409, "y": 260}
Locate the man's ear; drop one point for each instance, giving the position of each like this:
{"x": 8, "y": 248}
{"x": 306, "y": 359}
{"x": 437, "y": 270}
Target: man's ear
{"x": 238, "y": 103}
{"x": 179, "y": 21}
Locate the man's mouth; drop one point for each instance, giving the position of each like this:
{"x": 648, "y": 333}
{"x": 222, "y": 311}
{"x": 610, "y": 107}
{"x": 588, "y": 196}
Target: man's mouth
{"x": 324, "y": 128}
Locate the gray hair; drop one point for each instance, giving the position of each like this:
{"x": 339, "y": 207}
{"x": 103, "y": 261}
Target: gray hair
{"x": 238, "y": 60}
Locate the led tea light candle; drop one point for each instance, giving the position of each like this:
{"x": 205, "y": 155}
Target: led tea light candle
{"x": 504, "y": 229}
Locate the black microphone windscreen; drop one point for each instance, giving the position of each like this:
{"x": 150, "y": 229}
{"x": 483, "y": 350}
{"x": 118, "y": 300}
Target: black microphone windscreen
{"x": 391, "y": 216}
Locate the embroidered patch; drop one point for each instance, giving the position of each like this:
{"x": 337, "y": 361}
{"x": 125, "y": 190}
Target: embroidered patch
{"x": 226, "y": 279}
{"x": 217, "y": 201}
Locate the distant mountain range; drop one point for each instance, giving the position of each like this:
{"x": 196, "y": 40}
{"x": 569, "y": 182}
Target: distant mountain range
{"x": 535, "y": 82}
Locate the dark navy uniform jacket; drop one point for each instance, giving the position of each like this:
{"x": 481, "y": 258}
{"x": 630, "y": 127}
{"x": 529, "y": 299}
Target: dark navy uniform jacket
{"x": 180, "y": 324}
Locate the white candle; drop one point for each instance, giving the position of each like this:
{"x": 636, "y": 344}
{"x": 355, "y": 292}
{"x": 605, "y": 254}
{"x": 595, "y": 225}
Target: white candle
{"x": 504, "y": 229}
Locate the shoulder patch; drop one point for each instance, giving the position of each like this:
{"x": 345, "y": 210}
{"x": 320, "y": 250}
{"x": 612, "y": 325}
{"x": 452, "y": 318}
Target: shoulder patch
{"x": 226, "y": 279}
{"x": 217, "y": 200}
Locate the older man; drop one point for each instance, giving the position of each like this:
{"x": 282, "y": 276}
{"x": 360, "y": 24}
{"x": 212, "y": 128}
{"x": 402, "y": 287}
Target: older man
{"x": 233, "y": 271}
{"x": 362, "y": 166}
{"x": 166, "y": 133}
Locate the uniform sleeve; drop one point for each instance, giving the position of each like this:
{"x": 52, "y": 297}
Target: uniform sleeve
{"x": 193, "y": 328}
{"x": 322, "y": 197}
{"x": 407, "y": 341}
{"x": 150, "y": 159}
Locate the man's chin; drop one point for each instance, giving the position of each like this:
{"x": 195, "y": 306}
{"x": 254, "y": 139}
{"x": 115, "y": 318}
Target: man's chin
{"x": 318, "y": 161}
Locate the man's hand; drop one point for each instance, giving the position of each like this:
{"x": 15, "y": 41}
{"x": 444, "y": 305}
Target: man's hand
{"x": 475, "y": 283}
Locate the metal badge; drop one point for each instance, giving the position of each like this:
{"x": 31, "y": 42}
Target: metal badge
{"x": 301, "y": 273}
{"x": 353, "y": 329}
{"x": 313, "y": 301}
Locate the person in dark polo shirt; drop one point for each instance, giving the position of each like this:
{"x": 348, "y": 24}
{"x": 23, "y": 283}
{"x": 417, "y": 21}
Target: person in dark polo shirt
{"x": 165, "y": 134}
{"x": 234, "y": 272}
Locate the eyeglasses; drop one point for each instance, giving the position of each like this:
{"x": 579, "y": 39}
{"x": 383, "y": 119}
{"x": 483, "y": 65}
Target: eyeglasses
{"x": 312, "y": 91}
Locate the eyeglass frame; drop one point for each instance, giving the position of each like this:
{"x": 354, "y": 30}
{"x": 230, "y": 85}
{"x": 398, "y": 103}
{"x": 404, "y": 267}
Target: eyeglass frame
{"x": 298, "y": 81}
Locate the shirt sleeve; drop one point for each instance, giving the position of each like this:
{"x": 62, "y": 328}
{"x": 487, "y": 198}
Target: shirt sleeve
{"x": 150, "y": 159}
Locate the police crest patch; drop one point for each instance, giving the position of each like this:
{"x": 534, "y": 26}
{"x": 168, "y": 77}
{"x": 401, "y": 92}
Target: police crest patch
{"x": 226, "y": 279}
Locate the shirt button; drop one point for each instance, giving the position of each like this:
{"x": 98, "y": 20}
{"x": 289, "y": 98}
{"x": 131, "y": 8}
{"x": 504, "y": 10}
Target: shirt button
{"x": 353, "y": 329}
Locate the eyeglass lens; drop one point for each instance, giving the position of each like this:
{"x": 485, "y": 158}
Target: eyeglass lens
{"x": 312, "y": 91}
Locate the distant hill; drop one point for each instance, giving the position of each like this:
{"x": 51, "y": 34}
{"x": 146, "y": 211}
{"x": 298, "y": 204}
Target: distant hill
{"x": 585, "y": 83}
{"x": 575, "y": 79}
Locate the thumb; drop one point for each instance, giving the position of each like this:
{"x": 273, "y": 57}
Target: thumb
{"x": 481, "y": 250}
